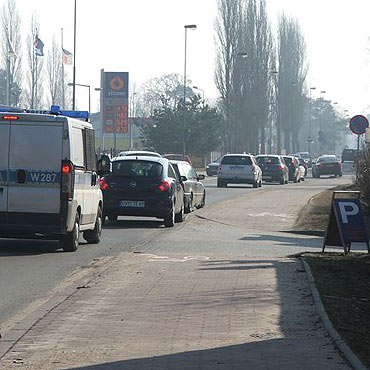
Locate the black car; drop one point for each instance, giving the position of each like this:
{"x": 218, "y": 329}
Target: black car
{"x": 293, "y": 167}
{"x": 194, "y": 192}
{"x": 327, "y": 165}
{"x": 349, "y": 155}
{"x": 273, "y": 168}
{"x": 142, "y": 186}
{"x": 212, "y": 168}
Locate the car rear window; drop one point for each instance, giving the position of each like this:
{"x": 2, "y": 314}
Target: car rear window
{"x": 327, "y": 159}
{"x": 288, "y": 160}
{"x": 268, "y": 160}
{"x": 235, "y": 160}
{"x": 136, "y": 169}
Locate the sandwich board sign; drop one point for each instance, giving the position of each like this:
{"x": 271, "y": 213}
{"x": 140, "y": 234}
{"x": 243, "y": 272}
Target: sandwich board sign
{"x": 346, "y": 223}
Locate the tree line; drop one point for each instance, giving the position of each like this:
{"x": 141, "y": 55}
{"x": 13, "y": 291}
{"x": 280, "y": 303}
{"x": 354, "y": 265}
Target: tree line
{"x": 29, "y": 79}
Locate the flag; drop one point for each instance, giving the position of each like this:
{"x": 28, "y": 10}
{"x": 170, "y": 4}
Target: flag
{"x": 67, "y": 57}
{"x": 39, "y": 47}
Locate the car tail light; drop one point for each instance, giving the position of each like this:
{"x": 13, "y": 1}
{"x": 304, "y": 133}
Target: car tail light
{"x": 104, "y": 184}
{"x": 67, "y": 180}
{"x": 164, "y": 186}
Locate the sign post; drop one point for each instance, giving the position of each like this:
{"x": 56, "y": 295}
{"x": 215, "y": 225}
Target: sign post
{"x": 115, "y": 90}
{"x": 358, "y": 125}
{"x": 346, "y": 223}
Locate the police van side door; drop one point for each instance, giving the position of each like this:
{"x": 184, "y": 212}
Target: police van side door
{"x": 4, "y": 163}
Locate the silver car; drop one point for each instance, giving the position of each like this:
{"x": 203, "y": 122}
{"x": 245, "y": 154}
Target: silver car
{"x": 239, "y": 169}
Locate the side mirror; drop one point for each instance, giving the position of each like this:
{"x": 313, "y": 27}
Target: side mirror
{"x": 183, "y": 178}
{"x": 201, "y": 177}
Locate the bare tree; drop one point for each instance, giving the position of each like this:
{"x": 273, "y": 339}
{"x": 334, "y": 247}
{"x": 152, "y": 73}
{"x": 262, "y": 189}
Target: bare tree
{"x": 164, "y": 91}
{"x": 291, "y": 80}
{"x": 11, "y": 50}
{"x": 54, "y": 72}
{"x": 34, "y": 92}
{"x": 227, "y": 49}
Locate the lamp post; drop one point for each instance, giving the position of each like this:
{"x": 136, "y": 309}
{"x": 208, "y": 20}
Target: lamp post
{"x": 88, "y": 86}
{"x": 197, "y": 88}
{"x": 186, "y": 27}
{"x": 309, "y": 139}
{"x": 74, "y": 60}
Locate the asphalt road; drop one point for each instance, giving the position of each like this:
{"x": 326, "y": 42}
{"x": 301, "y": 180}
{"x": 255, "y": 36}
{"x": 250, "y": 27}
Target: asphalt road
{"x": 30, "y": 270}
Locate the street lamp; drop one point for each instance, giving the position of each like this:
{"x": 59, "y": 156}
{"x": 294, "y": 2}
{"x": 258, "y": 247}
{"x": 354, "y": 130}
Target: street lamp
{"x": 197, "y": 88}
{"x": 74, "y": 59}
{"x": 309, "y": 139}
{"x": 186, "y": 27}
{"x": 88, "y": 86}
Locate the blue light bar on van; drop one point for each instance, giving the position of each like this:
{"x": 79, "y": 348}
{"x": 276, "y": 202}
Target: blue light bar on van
{"x": 55, "y": 109}
{"x": 4, "y": 109}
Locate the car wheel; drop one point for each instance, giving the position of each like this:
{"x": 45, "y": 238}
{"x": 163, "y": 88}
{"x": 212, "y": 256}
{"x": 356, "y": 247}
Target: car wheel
{"x": 70, "y": 240}
{"x": 179, "y": 217}
{"x": 169, "y": 220}
{"x": 94, "y": 236}
{"x": 189, "y": 207}
{"x": 112, "y": 218}
{"x": 221, "y": 184}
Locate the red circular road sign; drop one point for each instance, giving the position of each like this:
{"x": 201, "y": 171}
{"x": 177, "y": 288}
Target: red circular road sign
{"x": 358, "y": 124}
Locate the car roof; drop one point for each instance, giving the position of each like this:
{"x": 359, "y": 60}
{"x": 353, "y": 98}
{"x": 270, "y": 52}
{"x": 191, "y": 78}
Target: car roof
{"x": 139, "y": 152}
{"x": 160, "y": 160}
{"x": 238, "y": 155}
{"x": 173, "y": 161}
{"x": 268, "y": 155}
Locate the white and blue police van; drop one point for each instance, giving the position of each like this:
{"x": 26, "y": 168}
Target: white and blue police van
{"x": 49, "y": 186}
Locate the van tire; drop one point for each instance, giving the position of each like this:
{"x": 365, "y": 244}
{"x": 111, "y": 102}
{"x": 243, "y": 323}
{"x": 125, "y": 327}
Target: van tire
{"x": 94, "y": 236}
{"x": 70, "y": 240}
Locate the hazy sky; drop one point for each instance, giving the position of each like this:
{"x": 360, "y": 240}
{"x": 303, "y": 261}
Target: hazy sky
{"x": 146, "y": 38}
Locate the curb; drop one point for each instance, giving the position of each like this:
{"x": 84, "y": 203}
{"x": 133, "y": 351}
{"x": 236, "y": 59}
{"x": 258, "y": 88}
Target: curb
{"x": 337, "y": 339}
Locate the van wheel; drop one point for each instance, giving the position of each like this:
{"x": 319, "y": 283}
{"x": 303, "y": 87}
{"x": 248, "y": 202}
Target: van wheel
{"x": 70, "y": 241}
{"x": 93, "y": 236}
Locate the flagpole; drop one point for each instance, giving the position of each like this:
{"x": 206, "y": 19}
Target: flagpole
{"x": 34, "y": 102}
{"x": 74, "y": 63}
{"x": 63, "y": 97}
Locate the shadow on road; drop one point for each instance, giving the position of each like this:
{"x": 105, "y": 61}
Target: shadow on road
{"x": 286, "y": 241}
{"x": 15, "y": 247}
{"x": 133, "y": 224}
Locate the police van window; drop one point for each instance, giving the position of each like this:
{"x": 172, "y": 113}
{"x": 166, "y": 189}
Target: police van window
{"x": 89, "y": 148}
{"x": 78, "y": 148}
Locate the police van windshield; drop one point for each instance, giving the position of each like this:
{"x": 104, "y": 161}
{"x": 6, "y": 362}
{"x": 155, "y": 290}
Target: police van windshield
{"x": 136, "y": 169}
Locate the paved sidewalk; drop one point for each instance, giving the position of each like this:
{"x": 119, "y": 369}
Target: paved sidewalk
{"x": 157, "y": 312}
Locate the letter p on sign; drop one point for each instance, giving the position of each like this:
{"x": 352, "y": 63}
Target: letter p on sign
{"x": 348, "y": 209}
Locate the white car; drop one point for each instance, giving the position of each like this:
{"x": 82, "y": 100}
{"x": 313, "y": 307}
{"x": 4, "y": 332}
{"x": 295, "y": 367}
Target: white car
{"x": 239, "y": 169}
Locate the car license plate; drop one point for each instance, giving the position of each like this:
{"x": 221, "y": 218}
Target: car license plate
{"x": 132, "y": 203}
